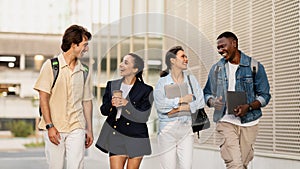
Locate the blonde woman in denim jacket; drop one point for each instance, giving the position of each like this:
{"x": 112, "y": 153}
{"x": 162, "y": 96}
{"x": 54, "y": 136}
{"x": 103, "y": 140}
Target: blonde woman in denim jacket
{"x": 175, "y": 136}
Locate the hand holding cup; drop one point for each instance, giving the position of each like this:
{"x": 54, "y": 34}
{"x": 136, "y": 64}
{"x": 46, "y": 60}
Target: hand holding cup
{"x": 117, "y": 98}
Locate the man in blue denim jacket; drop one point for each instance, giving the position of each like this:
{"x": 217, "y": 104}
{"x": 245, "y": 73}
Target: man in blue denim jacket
{"x": 237, "y": 129}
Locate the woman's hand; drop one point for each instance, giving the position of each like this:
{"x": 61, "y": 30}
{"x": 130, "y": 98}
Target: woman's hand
{"x": 186, "y": 99}
{"x": 118, "y": 101}
{"x": 123, "y": 102}
{"x": 182, "y": 107}
{"x": 173, "y": 111}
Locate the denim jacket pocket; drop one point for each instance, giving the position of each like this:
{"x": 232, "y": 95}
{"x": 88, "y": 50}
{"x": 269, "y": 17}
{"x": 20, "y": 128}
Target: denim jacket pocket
{"x": 247, "y": 85}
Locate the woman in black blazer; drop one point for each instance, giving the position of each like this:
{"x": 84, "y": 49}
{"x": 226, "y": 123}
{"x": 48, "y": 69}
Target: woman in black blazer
{"x": 124, "y": 134}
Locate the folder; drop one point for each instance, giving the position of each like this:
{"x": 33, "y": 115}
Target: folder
{"x": 177, "y": 90}
{"x": 234, "y": 99}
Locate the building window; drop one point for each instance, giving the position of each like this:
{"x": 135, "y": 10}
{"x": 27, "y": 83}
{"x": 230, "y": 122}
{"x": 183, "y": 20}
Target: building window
{"x": 35, "y": 62}
{"x": 113, "y": 64}
{"x": 10, "y": 61}
{"x": 9, "y": 89}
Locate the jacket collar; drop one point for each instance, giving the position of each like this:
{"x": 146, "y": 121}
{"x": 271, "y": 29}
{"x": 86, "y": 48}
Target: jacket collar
{"x": 244, "y": 61}
{"x": 116, "y": 85}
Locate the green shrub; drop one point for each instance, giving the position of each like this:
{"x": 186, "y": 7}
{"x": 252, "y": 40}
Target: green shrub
{"x": 33, "y": 145}
{"x": 21, "y": 128}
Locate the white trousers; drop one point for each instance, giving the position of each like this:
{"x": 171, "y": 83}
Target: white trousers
{"x": 71, "y": 148}
{"x": 175, "y": 143}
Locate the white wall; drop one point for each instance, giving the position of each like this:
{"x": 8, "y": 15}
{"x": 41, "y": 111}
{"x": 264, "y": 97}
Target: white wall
{"x": 25, "y": 78}
{"x": 19, "y": 106}
{"x": 15, "y": 107}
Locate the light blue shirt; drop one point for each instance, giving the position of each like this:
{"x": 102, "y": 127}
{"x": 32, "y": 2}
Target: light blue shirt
{"x": 164, "y": 105}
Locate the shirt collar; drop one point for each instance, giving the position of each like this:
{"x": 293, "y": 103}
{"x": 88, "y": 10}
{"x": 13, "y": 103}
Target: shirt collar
{"x": 63, "y": 63}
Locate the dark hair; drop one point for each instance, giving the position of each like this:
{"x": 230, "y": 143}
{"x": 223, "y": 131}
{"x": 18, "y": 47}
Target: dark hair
{"x": 170, "y": 54}
{"x": 228, "y": 35}
{"x": 74, "y": 34}
{"x": 139, "y": 64}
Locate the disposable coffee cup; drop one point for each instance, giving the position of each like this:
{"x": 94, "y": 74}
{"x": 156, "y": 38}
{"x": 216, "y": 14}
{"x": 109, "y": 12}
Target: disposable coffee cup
{"x": 118, "y": 93}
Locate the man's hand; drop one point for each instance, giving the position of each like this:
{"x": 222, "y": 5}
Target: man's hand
{"x": 89, "y": 138}
{"x": 54, "y": 135}
{"x": 241, "y": 110}
{"x": 216, "y": 103}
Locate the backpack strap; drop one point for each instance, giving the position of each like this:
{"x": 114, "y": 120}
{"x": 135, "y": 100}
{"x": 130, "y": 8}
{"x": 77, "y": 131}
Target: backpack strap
{"x": 55, "y": 69}
{"x": 85, "y": 72}
{"x": 254, "y": 66}
{"x": 254, "y": 69}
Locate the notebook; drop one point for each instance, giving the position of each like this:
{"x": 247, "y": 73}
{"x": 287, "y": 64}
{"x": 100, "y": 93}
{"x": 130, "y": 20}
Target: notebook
{"x": 177, "y": 90}
{"x": 234, "y": 99}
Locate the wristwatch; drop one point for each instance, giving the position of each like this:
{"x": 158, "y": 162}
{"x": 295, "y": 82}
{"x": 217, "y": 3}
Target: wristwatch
{"x": 250, "y": 108}
{"x": 50, "y": 125}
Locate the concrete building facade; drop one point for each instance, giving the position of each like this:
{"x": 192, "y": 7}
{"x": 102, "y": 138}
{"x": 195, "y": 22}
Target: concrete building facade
{"x": 268, "y": 30}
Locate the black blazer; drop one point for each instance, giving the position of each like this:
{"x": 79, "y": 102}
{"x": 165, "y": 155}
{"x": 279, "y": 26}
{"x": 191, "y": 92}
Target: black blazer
{"x": 132, "y": 123}
{"x": 135, "y": 114}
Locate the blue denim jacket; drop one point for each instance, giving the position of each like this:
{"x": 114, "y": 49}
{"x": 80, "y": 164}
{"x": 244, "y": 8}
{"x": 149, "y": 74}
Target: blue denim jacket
{"x": 217, "y": 85}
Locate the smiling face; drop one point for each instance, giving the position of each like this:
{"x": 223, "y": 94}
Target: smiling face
{"x": 227, "y": 47}
{"x": 127, "y": 66}
{"x": 80, "y": 49}
{"x": 180, "y": 62}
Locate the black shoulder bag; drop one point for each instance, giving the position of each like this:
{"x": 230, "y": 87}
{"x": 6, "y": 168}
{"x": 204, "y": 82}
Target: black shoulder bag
{"x": 200, "y": 120}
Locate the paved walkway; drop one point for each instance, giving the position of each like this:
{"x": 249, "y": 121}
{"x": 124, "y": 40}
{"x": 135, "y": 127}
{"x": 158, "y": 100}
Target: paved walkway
{"x": 13, "y": 154}
{"x": 14, "y": 144}
{"x": 94, "y": 158}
